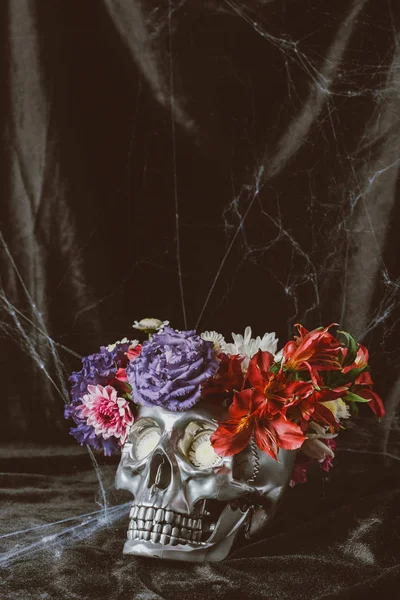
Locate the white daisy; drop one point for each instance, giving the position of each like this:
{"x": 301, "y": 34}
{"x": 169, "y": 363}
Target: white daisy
{"x": 216, "y": 338}
{"x": 125, "y": 340}
{"x": 150, "y": 325}
{"x": 246, "y": 346}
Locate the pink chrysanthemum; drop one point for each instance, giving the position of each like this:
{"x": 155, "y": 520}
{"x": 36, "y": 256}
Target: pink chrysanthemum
{"x": 109, "y": 414}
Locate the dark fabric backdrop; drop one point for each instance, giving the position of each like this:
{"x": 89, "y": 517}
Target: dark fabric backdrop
{"x": 243, "y": 155}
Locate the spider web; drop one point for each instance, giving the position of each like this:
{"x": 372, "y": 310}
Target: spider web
{"x": 328, "y": 259}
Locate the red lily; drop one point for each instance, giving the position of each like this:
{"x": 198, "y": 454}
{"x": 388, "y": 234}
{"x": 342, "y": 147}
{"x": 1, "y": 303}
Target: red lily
{"x": 363, "y": 383}
{"x": 258, "y": 371}
{"x": 360, "y": 361}
{"x": 228, "y": 379}
{"x": 234, "y": 435}
{"x": 322, "y": 414}
{"x": 375, "y": 402}
{"x": 252, "y": 414}
{"x": 307, "y": 400}
{"x": 275, "y": 431}
{"x": 271, "y": 385}
{"x": 315, "y": 350}
{"x": 364, "y": 379}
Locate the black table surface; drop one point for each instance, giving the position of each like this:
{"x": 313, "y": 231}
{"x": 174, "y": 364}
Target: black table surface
{"x": 338, "y": 536}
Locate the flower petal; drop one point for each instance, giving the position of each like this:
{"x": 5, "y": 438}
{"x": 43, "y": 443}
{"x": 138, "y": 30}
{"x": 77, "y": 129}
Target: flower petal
{"x": 227, "y": 441}
{"x": 289, "y": 435}
{"x": 375, "y": 403}
{"x": 246, "y": 402}
{"x": 259, "y": 366}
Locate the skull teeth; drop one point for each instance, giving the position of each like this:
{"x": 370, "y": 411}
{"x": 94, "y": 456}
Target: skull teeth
{"x": 150, "y": 513}
{"x": 169, "y": 516}
{"x": 160, "y": 515}
{"x": 142, "y": 512}
{"x": 167, "y": 529}
{"x": 165, "y": 526}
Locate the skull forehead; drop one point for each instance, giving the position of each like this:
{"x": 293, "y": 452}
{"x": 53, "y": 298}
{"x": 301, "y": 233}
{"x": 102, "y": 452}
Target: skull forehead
{"x": 170, "y": 420}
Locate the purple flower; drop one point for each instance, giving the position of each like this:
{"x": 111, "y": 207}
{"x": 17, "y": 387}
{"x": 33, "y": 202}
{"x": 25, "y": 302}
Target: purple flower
{"x": 85, "y": 434}
{"x": 97, "y": 369}
{"x": 171, "y": 368}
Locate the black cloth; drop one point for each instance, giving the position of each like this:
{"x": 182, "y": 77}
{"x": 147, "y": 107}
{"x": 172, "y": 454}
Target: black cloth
{"x": 219, "y": 163}
{"x": 335, "y": 537}
{"x": 270, "y": 128}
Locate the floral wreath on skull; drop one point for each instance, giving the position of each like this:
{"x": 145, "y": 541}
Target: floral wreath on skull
{"x": 295, "y": 399}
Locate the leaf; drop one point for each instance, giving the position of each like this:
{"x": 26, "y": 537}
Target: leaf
{"x": 275, "y": 367}
{"x": 303, "y": 376}
{"x": 352, "y": 397}
{"x": 340, "y": 379}
{"x": 351, "y": 345}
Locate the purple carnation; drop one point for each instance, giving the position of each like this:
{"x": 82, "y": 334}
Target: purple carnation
{"x": 84, "y": 434}
{"x": 171, "y": 368}
{"x": 97, "y": 369}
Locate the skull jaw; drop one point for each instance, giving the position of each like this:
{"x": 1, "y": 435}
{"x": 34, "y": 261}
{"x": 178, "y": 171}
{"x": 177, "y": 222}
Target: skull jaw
{"x": 215, "y": 549}
{"x": 207, "y": 553}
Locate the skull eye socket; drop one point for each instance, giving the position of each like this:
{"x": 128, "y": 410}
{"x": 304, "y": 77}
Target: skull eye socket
{"x": 144, "y": 437}
{"x": 201, "y": 453}
{"x": 196, "y": 446}
{"x": 146, "y": 442}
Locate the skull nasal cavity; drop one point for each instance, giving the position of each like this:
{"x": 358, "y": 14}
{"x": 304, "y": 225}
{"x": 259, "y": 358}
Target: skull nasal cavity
{"x": 160, "y": 472}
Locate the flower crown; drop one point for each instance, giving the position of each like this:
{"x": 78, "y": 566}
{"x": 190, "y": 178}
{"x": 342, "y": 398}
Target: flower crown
{"x": 295, "y": 399}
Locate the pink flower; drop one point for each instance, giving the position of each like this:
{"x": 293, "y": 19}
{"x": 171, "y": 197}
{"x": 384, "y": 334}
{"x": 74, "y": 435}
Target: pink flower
{"x": 134, "y": 351}
{"x": 121, "y": 375}
{"x": 327, "y": 462}
{"x": 300, "y": 468}
{"x": 109, "y": 414}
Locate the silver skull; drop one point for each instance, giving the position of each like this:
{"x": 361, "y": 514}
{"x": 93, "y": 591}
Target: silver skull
{"x": 189, "y": 503}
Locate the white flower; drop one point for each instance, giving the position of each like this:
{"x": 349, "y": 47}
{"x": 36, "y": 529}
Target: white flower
{"x": 133, "y": 344}
{"x": 338, "y": 408}
{"x": 313, "y": 446}
{"x": 246, "y": 346}
{"x": 125, "y": 340}
{"x": 150, "y": 325}
{"x": 216, "y": 338}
